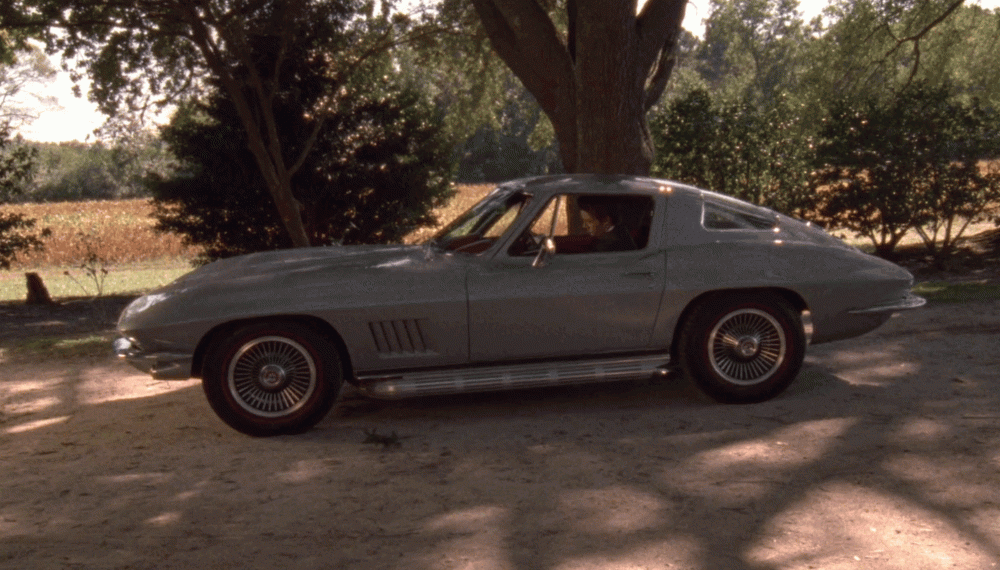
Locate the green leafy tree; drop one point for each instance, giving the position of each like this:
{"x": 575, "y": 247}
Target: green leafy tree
{"x": 500, "y": 132}
{"x": 17, "y": 165}
{"x": 874, "y": 48}
{"x": 380, "y": 164}
{"x": 887, "y": 167}
{"x": 135, "y": 152}
{"x": 688, "y": 73}
{"x": 146, "y": 52}
{"x": 755, "y": 153}
{"x": 504, "y": 148}
{"x": 72, "y": 171}
{"x": 753, "y": 50}
{"x": 458, "y": 70}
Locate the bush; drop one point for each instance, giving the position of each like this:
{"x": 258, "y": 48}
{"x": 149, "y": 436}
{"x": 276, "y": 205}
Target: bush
{"x": 761, "y": 155}
{"x": 17, "y": 167}
{"x": 908, "y": 163}
{"x": 16, "y": 237}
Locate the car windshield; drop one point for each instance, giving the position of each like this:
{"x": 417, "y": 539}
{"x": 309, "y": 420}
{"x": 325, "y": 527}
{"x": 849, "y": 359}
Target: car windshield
{"x": 482, "y": 224}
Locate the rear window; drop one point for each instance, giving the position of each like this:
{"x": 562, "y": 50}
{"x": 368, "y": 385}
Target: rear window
{"x": 717, "y": 216}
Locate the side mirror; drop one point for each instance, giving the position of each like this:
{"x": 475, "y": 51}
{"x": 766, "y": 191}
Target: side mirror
{"x": 547, "y": 250}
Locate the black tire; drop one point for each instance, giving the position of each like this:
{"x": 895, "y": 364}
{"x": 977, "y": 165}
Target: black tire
{"x": 742, "y": 348}
{"x": 272, "y": 378}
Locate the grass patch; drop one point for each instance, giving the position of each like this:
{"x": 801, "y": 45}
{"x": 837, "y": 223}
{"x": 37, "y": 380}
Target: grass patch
{"x": 124, "y": 279}
{"x": 58, "y": 347}
{"x": 945, "y": 292}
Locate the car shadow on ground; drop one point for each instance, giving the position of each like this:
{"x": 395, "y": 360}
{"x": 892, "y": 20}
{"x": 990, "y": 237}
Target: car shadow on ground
{"x": 882, "y": 453}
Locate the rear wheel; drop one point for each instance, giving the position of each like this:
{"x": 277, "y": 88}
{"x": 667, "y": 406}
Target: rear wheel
{"x": 272, "y": 378}
{"x": 742, "y": 348}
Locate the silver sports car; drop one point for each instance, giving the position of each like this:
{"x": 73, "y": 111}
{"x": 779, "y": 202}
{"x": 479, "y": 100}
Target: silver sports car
{"x": 546, "y": 281}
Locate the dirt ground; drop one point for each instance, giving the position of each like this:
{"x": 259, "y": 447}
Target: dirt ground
{"x": 884, "y": 454}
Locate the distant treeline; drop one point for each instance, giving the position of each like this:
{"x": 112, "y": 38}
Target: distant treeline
{"x": 74, "y": 171}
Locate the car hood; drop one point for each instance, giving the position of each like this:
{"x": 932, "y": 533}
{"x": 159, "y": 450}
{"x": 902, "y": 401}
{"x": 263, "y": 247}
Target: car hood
{"x": 270, "y": 264}
{"x": 282, "y": 281}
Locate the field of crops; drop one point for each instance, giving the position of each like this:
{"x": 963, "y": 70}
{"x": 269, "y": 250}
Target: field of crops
{"x": 121, "y": 231}
{"x": 119, "y": 234}
{"x": 117, "y": 231}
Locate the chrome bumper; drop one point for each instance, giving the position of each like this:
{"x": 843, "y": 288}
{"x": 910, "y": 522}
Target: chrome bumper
{"x": 161, "y": 365}
{"x": 911, "y": 301}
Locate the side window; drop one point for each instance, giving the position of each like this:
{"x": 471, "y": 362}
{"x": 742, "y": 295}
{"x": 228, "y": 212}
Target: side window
{"x": 717, "y": 216}
{"x": 589, "y": 223}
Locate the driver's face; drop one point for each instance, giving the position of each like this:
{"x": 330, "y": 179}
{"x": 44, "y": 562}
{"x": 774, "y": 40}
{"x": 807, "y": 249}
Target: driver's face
{"x": 591, "y": 224}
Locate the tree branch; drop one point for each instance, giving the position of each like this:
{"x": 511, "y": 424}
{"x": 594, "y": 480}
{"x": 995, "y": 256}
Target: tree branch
{"x": 659, "y": 25}
{"x": 915, "y": 38}
{"x": 525, "y": 38}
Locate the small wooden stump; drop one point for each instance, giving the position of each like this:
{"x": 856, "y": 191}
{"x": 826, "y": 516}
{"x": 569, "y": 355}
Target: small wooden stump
{"x": 37, "y": 293}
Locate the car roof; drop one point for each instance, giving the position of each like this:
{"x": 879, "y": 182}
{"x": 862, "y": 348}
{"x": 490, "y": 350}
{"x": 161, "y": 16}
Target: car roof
{"x": 623, "y": 184}
{"x": 598, "y": 184}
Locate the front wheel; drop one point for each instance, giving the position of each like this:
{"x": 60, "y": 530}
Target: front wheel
{"x": 272, "y": 378}
{"x": 742, "y": 348}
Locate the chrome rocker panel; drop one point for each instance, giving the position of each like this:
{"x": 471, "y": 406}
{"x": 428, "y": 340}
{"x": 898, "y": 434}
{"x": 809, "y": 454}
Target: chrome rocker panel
{"x": 510, "y": 377}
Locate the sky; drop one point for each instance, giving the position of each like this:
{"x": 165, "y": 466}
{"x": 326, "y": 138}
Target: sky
{"x": 76, "y": 118}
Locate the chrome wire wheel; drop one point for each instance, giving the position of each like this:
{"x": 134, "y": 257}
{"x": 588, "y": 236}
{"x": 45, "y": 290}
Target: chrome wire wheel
{"x": 272, "y": 376}
{"x": 747, "y": 346}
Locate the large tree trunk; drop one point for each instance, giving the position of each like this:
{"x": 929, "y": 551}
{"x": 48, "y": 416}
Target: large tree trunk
{"x": 597, "y": 81}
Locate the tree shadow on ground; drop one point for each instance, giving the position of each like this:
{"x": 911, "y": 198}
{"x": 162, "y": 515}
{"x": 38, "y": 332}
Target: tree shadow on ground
{"x": 882, "y": 453}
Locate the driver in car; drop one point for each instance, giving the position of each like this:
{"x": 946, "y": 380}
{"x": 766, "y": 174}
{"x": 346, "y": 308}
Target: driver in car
{"x": 599, "y": 223}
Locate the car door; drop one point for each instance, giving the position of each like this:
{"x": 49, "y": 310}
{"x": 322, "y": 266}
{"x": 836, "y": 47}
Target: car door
{"x": 577, "y": 302}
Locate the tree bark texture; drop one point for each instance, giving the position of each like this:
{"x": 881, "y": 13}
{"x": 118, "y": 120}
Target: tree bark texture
{"x": 257, "y": 117}
{"x": 597, "y": 80}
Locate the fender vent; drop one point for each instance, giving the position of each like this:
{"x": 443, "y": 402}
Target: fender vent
{"x": 398, "y": 337}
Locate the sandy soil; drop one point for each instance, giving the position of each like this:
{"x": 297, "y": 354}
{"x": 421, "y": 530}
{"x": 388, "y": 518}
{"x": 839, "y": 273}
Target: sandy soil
{"x": 884, "y": 454}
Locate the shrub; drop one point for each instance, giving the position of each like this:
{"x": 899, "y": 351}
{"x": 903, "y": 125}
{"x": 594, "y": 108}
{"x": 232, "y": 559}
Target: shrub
{"x": 17, "y": 167}
{"x": 761, "y": 155}
{"x": 910, "y": 162}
